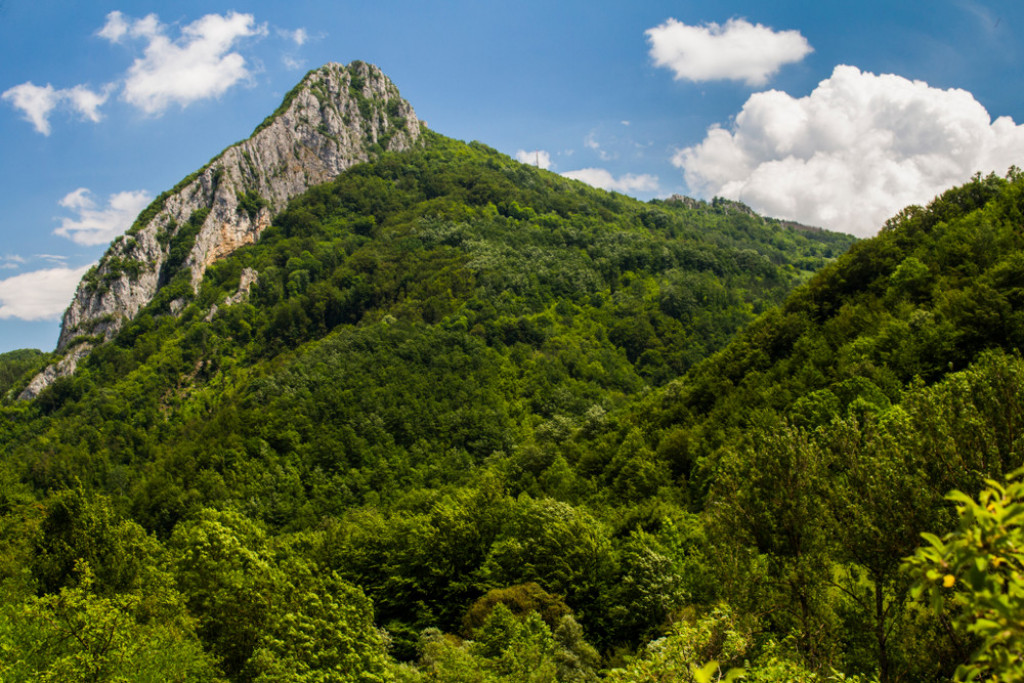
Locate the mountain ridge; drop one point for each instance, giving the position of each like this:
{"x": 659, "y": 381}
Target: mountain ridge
{"x": 335, "y": 117}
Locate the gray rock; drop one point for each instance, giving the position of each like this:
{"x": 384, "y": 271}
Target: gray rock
{"x": 62, "y": 368}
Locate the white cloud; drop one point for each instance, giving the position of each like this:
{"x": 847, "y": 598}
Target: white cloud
{"x": 851, "y": 154}
{"x": 115, "y": 29}
{"x": 738, "y": 51}
{"x": 40, "y": 294}
{"x": 93, "y": 225}
{"x": 77, "y": 200}
{"x": 292, "y": 63}
{"x": 599, "y": 177}
{"x": 198, "y": 65}
{"x": 36, "y": 102}
{"x": 86, "y": 102}
{"x": 537, "y": 157}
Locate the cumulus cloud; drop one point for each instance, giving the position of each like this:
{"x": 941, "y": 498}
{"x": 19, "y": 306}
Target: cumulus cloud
{"x": 199, "y": 64}
{"x": 537, "y": 157}
{"x": 39, "y": 295}
{"x": 851, "y": 154}
{"x": 37, "y": 102}
{"x": 602, "y": 178}
{"x": 93, "y": 225}
{"x": 738, "y": 51}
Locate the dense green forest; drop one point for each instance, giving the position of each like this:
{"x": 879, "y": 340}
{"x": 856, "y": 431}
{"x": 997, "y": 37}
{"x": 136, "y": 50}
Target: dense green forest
{"x": 472, "y": 421}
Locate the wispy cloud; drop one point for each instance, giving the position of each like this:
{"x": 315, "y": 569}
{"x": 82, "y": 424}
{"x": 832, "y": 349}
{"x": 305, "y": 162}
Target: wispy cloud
{"x": 851, "y": 154}
{"x": 986, "y": 20}
{"x": 40, "y": 294}
{"x": 602, "y": 178}
{"x": 590, "y": 142}
{"x": 299, "y": 36}
{"x": 738, "y": 51}
{"x": 93, "y": 225}
{"x": 11, "y": 261}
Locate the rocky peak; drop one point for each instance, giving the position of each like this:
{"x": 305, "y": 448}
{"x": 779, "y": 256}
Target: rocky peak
{"x": 337, "y": 116}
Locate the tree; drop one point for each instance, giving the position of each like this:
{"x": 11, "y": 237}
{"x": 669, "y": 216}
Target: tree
{"x": 697, "y": 650}
{"x": 880, "y": 499}
{"x": 272, "y": 617}
{"x": 320, "y": 630}
{"x": 77, "y": 636}
{"x": 82, "y": 529}
{"x": 521, "y": 600}
{"x": 772, "y": 494}
{"x": 221, "y": 565}
{"x": 977, "y": 570}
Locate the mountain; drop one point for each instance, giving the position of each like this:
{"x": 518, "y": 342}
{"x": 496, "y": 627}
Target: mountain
{"x": 453, "y": 417}
{"x": 434, "y": 318}
{"x": 337, "y": 116}
{"x": 822, "y": 441}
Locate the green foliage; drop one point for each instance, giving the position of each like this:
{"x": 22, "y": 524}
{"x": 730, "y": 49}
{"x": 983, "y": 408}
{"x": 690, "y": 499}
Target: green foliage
{"x": 697, "y": 650}
{"x": 80, "y": 530}
{"x": 510, "y": 648}
{"x": 519, "y": 600}
{"x": 321, "y": 630}
{"x": 460, "y": 387}
{"x": 975, "y": 571}
{"x": 268, "y": 617}
{"x": 251, "y": 202}
{"x": 220, "y": 563}
{"x": 181, "y": 244}
{"x": 77, "y": 635}
{"x": 17, "y": 366}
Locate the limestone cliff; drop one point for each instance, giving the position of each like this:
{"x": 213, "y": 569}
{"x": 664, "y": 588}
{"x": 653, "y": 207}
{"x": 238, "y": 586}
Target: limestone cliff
{"x": 336, "y": 117}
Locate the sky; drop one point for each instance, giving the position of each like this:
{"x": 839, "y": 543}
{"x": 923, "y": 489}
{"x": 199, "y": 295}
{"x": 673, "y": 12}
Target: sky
{"x": 835, "y": 114}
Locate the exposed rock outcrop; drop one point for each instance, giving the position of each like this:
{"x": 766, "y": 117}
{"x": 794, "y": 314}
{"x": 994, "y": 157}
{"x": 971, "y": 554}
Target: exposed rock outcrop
{"x": 337, "y": 116}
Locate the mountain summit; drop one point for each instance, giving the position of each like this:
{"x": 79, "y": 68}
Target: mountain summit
{"x": 337, "y": 116}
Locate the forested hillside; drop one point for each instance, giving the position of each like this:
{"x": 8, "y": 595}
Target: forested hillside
{"x": 456, "y": 418}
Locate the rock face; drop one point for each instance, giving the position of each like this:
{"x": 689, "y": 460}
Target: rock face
{"x": 336, "y": 117}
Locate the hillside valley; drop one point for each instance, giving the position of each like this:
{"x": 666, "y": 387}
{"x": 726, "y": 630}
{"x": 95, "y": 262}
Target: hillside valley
{"x": 387, "y": 406}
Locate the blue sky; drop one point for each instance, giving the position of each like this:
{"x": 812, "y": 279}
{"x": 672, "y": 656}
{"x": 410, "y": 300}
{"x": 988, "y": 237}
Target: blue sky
{"x": 831, "y": 113}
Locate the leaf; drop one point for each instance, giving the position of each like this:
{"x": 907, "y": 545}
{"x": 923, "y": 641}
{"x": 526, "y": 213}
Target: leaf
{"x": 704, "y": 674}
